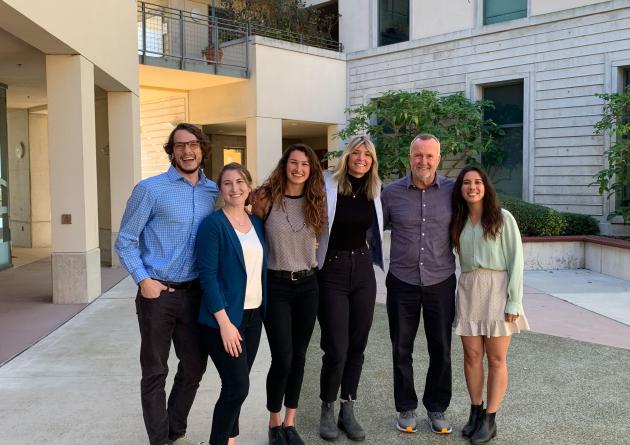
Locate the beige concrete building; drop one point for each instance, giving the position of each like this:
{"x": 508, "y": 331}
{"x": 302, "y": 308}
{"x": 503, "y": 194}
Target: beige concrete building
{"x": 69, "y": 117}
{"x": 90, "y": 91}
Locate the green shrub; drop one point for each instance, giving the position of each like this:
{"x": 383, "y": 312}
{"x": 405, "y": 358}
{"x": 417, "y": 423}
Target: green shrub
{"x": 534, "y": 219}
{"x": 578, "y": 224}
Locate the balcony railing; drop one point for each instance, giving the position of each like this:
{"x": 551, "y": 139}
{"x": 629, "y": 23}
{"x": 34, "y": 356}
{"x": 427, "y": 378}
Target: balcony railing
{"x": 192, "y": 41}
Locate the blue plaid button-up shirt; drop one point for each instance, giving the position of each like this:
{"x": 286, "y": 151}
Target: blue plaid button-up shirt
{"x": 158, "y": 230}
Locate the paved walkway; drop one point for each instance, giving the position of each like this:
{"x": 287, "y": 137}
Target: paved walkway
{"x": 80, "y": 384}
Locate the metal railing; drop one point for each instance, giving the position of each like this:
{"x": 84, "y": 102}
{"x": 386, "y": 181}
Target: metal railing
{"x": 290, "y": 36}
{"x": 188, "y": 40}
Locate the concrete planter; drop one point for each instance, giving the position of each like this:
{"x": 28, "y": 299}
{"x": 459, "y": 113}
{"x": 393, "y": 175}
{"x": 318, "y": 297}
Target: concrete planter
{"x": 596, "y": 253}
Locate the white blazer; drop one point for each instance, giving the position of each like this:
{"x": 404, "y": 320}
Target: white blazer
{"x": 374, "y": 234}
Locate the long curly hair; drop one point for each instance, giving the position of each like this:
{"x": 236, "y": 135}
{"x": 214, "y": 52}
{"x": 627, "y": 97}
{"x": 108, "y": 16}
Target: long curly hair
{"x": 491, "y": 218}
{"x": 340, "y": 175}
{"x": 314, "y": 195}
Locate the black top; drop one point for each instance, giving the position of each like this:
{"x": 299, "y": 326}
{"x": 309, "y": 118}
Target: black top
{"x": 354, "y": 215}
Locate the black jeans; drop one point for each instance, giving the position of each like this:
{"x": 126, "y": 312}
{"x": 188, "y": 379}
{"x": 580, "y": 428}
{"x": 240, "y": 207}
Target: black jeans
{"x": 234, "y": 373}
{"x": 405, "y": 302}
{"x": 289, "y": 322}
{"x": 347, "y": 292}
{"x": 171, "y": 317}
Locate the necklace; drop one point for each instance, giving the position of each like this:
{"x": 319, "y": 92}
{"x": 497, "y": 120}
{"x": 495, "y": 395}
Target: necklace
{"x": 234, "y": 220}
{"x": 286, "y": 214}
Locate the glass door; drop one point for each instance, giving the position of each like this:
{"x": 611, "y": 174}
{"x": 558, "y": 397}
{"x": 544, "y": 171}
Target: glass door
{"x": 5, "y": 238}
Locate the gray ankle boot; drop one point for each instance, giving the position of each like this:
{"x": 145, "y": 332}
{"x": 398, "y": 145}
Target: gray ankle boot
{"x": 348, "y": 423}
{"x": 327, "y": 428}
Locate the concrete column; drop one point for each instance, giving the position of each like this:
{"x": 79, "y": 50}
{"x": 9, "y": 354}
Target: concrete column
{"x": 40, "y": 179}
{"x": 264, "y": 146}
{"x": 335, "y": 143}
{"x": 76, "y": 267}
{"x": 124, "y": 155}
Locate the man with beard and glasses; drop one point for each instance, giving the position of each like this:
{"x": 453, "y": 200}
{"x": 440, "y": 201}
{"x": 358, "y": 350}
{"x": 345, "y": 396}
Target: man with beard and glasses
{"x": 156, "y": 246}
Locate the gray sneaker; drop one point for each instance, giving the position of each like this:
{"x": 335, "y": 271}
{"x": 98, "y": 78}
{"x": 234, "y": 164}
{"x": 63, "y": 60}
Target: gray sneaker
{"x": 438, "y": 423}
{"x": 407, "y": 421}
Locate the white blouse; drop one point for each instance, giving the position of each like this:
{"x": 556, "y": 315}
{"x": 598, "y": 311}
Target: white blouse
{"x": 253, "y": 255}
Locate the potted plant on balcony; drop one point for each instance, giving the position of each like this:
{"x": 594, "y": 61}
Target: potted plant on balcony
{"x": 208, "y": 53}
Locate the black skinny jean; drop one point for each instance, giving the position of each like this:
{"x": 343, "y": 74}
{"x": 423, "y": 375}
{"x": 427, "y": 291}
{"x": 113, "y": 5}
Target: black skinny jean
{"x": 234, "y": 373}
{"x": 290, "y": 318}
{"x": 405, "y": 302}
{"x": 171, "y": 317}
{"x": 347, "y": 292}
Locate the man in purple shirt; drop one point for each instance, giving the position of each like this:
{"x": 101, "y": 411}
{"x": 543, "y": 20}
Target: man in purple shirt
{"x": 421, "y": 279}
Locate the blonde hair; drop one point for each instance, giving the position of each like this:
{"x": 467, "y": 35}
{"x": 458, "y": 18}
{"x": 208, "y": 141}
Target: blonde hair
{"x": 340, "y": 175}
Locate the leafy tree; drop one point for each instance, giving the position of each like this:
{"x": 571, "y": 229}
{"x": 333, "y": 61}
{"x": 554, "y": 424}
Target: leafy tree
{"x": 615, "y": 123}
{"x": 394, "y": 119}
{"x": 284, "y": 15}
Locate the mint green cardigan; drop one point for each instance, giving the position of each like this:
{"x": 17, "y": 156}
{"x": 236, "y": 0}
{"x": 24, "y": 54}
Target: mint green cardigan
{"x": 503, "y": 253}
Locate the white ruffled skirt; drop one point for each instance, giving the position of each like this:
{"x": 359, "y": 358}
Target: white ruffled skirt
{"x": 480, "y": 305}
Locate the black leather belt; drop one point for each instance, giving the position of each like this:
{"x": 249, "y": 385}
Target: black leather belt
{"x": 291, "y": 276}
{"x": 186, "y": 285}
{"x": 360, "y": 251}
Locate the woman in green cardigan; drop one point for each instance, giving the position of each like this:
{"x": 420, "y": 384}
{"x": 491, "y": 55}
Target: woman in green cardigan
{"x": 489, "y": 295}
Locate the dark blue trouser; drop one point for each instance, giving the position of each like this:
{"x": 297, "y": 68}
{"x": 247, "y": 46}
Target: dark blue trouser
{"x": 234, "y": 373}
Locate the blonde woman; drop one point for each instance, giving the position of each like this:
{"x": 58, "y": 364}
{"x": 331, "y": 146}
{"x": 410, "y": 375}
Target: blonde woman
{"x": 232, "y": 262}
{"x": 349, "y": 246}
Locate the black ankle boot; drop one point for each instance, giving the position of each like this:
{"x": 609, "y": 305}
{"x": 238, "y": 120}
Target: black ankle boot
{"x": 327, "y": 427}
{"x": 348, "y": 423}
{"x": 474, "y": 419}
{"x": 486, "y": 431}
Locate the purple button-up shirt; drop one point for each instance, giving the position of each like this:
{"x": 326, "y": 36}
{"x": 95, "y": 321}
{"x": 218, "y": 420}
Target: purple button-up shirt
{"x": 421, "y": 253}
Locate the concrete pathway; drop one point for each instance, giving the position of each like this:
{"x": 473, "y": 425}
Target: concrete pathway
{"x": 80, "y": 384}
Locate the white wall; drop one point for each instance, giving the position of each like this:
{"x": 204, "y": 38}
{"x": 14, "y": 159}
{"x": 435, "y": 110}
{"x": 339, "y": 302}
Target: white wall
{"x": 435, "y": 17}
{"x": 355, "y": 24}
{"x": 160, "y": 112}
{"x": 302, "y": 86}
{"x": 19, "y": 179}
{"x": 545, "y": 6}
{"x": 104, "y": 32}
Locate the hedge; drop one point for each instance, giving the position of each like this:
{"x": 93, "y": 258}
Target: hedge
{"x": 534, "y": 219}
{"x": 578, "y": 224}
{"x": 538, "y": 220}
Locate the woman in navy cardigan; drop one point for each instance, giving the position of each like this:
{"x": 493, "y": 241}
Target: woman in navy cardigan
{"x": 232, "y": 261}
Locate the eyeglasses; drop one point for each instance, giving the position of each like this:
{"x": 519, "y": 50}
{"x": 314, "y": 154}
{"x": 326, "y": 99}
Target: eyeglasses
{"x": 180, "y": 146}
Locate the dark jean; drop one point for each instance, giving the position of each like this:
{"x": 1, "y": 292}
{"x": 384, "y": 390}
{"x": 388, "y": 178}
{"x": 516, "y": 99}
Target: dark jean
{"x": 171, "y": 317}
{"x": 290, "y": 318}
{"x": 405, "y": 302}
{"x": 347, "y": 293}
{"x": 234, "y": 373}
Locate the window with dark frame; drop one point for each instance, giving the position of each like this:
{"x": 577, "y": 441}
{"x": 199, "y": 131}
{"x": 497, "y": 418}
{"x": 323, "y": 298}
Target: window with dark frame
{"x": 495, "y": 11}
{"x": 508, "y": 115}
{"x": 393, "y": 21}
